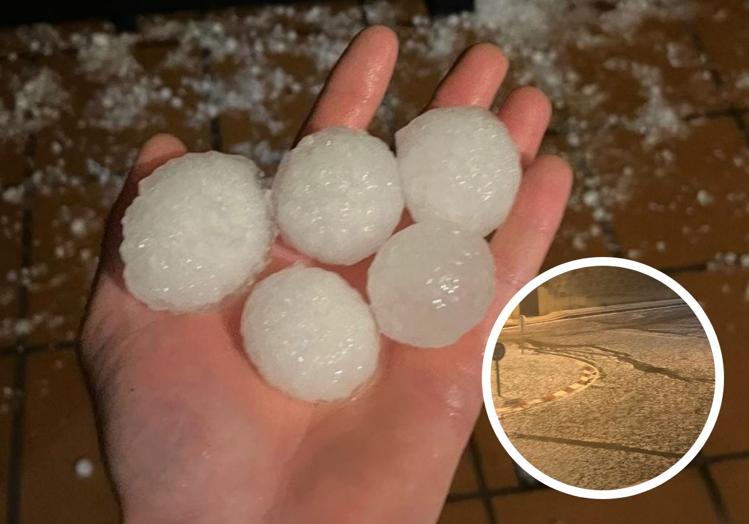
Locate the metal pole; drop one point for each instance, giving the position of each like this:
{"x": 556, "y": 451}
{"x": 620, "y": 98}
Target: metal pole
{"x": 496, "y": 372}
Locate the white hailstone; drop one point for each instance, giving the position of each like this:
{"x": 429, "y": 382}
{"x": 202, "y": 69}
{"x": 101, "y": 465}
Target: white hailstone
{"x": 84, "y": 468}
{"x": 199, "y": 230}
{"x": 310, "y": 334}
{"x": 337, "y": 195}
{"x": 458, "y": 164}
{"x": 430, "y": 283}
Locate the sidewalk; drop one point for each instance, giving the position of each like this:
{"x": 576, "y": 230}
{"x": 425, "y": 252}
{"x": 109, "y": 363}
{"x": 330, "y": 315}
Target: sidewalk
{"x": 590, "y": 311}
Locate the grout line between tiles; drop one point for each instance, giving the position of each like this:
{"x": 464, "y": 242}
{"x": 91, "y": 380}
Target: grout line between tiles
{"x": 697, "y": 41}
{"x": 19, "y": 384}
{"x": 217, "y": 141}
{"x": 738, "y": 118}
{"x": 39, "y": 348}
{"x": 733, "y": 111}
{"x": 481, "y": 479}
{"x": 363, "y": 13}
{"x": 496, "y": 492}
{"x": 726, "y": 457}
{"x": 697, "y": 267}
{"x": 714, "y": 492}
{"x": 717, "y": 113}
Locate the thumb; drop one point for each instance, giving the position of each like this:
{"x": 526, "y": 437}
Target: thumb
{"x": 109, "y": 301}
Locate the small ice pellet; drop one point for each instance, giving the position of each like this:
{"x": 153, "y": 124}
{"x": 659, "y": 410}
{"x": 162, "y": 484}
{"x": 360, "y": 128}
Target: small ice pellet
{"x": 337, "y": 195}
{"x": 310, "y": 334}
{"x": 78, "y": 227}
{"x": 84, "y": 468}
{"x": 430, "y": 283}
{"x": 458, "y": 164}
{"x": 199, "y": 230}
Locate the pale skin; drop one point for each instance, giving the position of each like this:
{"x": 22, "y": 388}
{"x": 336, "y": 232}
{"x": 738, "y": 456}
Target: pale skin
{"x": 192, "y": 433}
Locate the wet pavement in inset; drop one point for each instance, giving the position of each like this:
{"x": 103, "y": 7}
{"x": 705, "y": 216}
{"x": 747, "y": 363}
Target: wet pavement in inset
{"x": 640, "y": 412}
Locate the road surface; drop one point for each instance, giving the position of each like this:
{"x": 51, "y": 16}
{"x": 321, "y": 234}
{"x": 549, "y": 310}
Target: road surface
{"x": 607, "y": 400}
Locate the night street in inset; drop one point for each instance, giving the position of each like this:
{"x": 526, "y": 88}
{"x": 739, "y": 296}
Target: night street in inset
{"x": 607, "y": 378}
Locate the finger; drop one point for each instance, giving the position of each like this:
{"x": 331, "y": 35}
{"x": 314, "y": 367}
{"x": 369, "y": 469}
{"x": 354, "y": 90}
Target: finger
{"x": 156, "y": 151}
{"x": 526, "y": 114}
{"x": 474, "y": 79}
{"x": 519, "y": 246}
{"x": 357, "y": 83}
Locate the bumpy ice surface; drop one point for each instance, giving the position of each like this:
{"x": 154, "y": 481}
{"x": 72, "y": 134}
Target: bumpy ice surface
{"x": 337, "y": 195}
{"x": 458, "y": 164}
{"x": 310, "y": 334}
{"x": 430, "y": 283}
{"x": 199, "y": 230}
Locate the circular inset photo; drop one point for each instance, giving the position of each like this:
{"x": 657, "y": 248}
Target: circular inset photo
{"x": 602, "y": 378}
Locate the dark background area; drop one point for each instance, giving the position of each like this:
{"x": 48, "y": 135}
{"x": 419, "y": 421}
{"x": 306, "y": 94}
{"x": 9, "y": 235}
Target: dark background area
{"x": 123, "y": 14}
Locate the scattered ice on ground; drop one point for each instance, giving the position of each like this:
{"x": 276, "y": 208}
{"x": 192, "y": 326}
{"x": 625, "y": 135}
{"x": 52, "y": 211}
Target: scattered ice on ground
{"x": 704, "y": 197}
{"x": 199, "y": 230}
{"x": 310, "y": 334}
{"x": 13, "y": 194}
{"x": 23, "y": 327}
{"x": 458, "y": 164}
{"x": 430, "y": 283}
{"x": 103, "y": 56}
{"x": 742, "y": 81}
{"x": 337, "y": 195}
{"x": 255, "y": 64}
{"x": 39, "y": 101}
{"x": 78, "y": 227}
{"x": 119, "y": 106}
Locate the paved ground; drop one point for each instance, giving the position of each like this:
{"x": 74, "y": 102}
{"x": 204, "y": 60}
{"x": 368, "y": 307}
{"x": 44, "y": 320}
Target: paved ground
{"x": 630, "y": 420}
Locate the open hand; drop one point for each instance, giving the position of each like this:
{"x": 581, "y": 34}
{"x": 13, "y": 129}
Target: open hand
{"x": 192, "y": 433}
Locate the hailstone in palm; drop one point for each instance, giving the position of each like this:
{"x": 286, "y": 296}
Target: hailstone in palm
{"x": 430, "y": 283}
{"x": 199, "y": 230}
{"x": 310, "y": 334}
{"x": 458, "y": 164}
{"x": 337, "y": 195}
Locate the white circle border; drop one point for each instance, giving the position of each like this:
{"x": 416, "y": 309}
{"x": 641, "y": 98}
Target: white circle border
{"x": 627, "y": 491}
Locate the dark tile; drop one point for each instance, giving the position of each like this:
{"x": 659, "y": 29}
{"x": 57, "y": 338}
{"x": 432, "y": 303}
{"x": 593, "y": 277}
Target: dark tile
{"x": 466, "y": 511}
{"x": 732, "y": 478}
{"x": 464, "y": 480}
{"x": 68, "y": 222}
{"x": 496, "y": 464}
{"x": 11, "y": 214}
{"x": 656, "y": 61}
{"x": 13, "y": 154}
{"x": 658, "y": 505}
{"x": 7, "y": 403}
{"x": 59, "y": 432}
{"x": 723, "y": 30}
{"x": 680, "y": 203}
{"x": 724, "y": 294}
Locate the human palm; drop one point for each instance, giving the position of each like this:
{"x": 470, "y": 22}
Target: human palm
{"x": 192, "y": 433}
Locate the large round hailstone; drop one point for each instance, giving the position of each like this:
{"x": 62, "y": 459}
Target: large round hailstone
{"x": 458, "y": 164}
{"x": 310, "y": 334}
{"x": 199, "y": 230}
{"x": 337, "y": 195}
{"x": 430, "y": 283}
